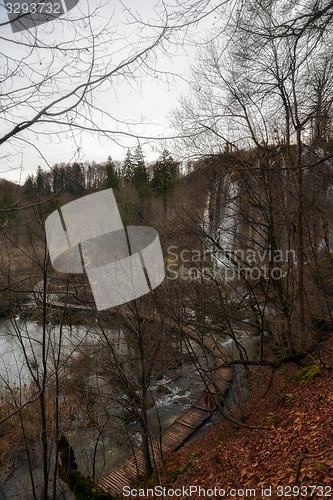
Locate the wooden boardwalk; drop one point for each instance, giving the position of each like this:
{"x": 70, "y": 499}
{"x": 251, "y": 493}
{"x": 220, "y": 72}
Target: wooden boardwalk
{"x": 175, "y": 435}
{"x": 67, "y": 305}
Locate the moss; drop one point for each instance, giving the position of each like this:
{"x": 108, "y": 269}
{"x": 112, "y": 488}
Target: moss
{"x": 179, "y": 471}
{"x": 162, "y": 388}
{"x": 86, "y": 489}
{"x": 37, "y": 316}
{"x": 129, "y": 416}
{"x": 83, "y": 488}
{"x": 33, "y": 364}
{"x": 307, "y": 374}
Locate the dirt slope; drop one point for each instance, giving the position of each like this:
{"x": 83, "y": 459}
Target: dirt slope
{"x": 293, "y": 451}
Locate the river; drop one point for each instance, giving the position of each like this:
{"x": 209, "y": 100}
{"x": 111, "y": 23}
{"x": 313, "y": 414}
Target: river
{"x": 184, "y": 383}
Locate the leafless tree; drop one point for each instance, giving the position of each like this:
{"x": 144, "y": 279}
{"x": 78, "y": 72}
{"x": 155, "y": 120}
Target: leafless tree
{"x": 256, "y": 93}
{"x": 55, "y": 76}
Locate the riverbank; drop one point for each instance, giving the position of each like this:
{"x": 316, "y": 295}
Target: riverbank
{"x": 175, "y": 435}
{"x": 175, "y": 386}
{"x": 293, "y": 447}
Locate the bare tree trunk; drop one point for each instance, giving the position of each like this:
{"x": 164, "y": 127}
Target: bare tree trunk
{"x": 300, "y": 239}
{"x": 42, "y": 396}
{"x": 28, "y": 456}
{"x": 143, "y": 414}
{"x": 72, "y": 477}
{"x": 145, "y": 442}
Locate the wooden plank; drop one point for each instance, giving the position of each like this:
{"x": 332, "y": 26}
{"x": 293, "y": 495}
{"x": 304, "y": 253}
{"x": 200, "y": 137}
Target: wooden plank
{"x": 188, "y": 426}
{"x": 172, "y": 434}
{"x": 203, "y": 408}
{"x": 191, "y": 423}
{"x": 176, "y": 434}
{"x": 106, "y": 482}
{"x": 167, "y": 448}
{"x": 175, "y": 431}
{"x": 193, "y": 419}
{"x": 171, "y": 437}
{"x": 117, "y": 482}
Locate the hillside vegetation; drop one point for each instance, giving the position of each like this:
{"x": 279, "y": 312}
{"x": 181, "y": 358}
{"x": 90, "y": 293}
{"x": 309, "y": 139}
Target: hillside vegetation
{"x": 292, "y": 446}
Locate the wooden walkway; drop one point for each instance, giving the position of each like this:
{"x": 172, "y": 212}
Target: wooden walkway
{"x": 67, "y": 305}
{"x": 174, "y": 436}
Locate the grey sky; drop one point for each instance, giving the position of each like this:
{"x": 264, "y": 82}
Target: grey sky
{"x": 146, "y": 103}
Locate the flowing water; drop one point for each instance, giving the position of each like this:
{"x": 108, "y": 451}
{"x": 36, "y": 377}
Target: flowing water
{"x": 117, "y": 442}
{"x": 221, "y": 219}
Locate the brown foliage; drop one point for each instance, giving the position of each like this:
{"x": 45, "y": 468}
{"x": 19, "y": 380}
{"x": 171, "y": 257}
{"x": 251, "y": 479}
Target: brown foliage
{"x": 21, "y": 429}
{"x": 296, "y": 449}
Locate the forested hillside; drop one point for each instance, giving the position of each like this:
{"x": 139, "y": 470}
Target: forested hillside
{"x": 238, "y": 334}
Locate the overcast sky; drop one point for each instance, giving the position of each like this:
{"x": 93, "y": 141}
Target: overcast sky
{"x": 148, "y": 103}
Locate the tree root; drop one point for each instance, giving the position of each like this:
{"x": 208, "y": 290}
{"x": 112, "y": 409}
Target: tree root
{"x": 305, "y": 456}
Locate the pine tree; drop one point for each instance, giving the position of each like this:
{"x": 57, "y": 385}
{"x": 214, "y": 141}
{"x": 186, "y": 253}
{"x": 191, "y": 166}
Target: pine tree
{"x": 111, "y": 179}
{"x": 164, "y": 176}
{"x": 7, "y": 201}
{"x": 39, "y": 179}
{"x": 29, "y": 185}
{"x": 128, "y": 166}
{"x": 77, "y": 185}
{"x": 140, "y": 176}
{"x": 58, "y": 176}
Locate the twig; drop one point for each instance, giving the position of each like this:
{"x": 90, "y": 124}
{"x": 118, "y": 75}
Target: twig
{"x": 303, "y": 457}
